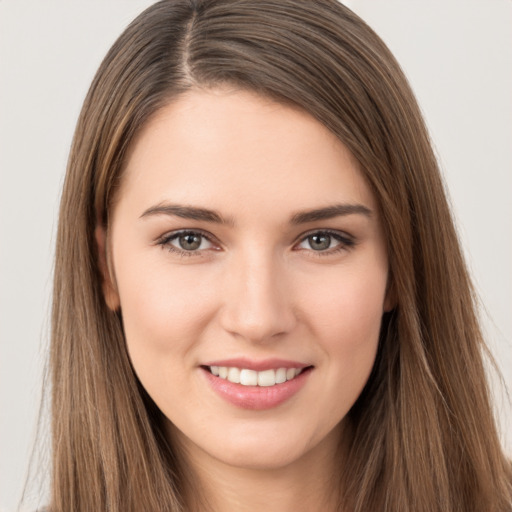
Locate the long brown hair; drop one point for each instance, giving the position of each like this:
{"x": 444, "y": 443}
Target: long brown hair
{"x": 423, "y": 433}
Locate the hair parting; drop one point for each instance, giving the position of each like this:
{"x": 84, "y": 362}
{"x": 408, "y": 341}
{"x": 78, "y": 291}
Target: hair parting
{"x": 423, "y": 433}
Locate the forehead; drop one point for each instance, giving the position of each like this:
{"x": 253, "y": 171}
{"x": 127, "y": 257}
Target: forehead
{"x": 229, "y": 147}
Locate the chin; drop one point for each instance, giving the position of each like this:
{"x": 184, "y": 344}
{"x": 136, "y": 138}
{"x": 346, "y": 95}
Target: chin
{"x": 271, "y": 449}
{"x": 261, "y": 457}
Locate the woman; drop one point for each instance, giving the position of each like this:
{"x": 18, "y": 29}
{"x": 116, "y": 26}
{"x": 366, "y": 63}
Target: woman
{"x": 261, "y": 302}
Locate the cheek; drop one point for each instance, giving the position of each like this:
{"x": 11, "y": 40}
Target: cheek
{"x": 164, "y": 307}
{"x": 164, "y": 317}
{"x": 346, "y": 318}
{"x": 348, "y": 309}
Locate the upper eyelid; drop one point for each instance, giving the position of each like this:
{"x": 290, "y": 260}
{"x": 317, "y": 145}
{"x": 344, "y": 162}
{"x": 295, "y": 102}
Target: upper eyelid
{"x": 333, "y": 232}
{"x": 177, "y": 232}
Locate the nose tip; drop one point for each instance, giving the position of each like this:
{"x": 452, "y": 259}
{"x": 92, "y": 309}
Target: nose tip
{"x": 257, "y": 305}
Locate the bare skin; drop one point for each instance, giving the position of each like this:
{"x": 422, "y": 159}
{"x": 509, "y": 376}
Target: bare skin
{"x": 244, "y": 230}
{"x": 226, "y": 488}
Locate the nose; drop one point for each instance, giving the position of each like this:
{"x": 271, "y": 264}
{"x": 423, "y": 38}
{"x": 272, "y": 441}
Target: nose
{"x": 258, "y": 305}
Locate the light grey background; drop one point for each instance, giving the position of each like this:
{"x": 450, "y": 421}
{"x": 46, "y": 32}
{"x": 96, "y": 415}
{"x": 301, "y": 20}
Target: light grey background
{"x": 456, "y": 53}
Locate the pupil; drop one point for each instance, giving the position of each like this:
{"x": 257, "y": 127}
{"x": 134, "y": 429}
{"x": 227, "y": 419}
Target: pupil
{"x": 320, "y": 242}
{"x": 190, "y": 242}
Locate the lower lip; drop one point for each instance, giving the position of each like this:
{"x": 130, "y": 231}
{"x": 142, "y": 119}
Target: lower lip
{"x": 256, "y": 398}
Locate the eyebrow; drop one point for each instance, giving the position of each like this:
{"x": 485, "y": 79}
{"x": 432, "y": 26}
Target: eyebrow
{"x": 187, "y": 212}
{"x": 329, "y": 212}
{"x": 303, "y": 217}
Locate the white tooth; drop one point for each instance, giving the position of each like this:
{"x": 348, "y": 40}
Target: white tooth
{"x": 223, "y": 372}
{"x": 267, "y": 378}
{"x": 248, "y": 377}
{"x": 280, "y": 375}
{"x": 214, "y": 370}
{"x": 290, "y": 373}
{"x": 234, "y": 375}
{"x": 297, "y": 371}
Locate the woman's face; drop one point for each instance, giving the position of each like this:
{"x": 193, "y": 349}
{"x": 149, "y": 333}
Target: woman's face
{"x": 246, "y": 246}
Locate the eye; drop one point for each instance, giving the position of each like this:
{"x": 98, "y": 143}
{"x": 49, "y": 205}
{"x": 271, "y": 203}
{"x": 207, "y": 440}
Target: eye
{"x": 186, "y": 242}
{"x": 190, "y": 241}
{"x": 326, "y": 241}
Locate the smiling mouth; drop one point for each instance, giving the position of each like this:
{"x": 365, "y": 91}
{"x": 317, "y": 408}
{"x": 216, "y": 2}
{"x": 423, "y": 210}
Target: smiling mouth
{"x": 246, "y": 377}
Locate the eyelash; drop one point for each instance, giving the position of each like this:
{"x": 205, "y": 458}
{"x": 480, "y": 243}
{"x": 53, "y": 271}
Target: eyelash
{"x": 346, "y": 242}
{"x": 165, "y": 241}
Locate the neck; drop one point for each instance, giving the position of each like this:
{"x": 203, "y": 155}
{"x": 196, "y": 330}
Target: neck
{"x": 307, "y": 484}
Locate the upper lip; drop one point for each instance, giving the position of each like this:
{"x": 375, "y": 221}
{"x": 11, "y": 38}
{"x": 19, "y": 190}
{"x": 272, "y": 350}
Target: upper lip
{"x": 259, "y": 366}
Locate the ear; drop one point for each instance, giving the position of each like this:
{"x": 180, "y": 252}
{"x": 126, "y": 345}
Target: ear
{"x": 390, "y": 300}
{"x": 107, "y": 276}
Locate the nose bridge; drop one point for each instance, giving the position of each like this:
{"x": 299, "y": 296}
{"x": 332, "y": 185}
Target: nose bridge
{"x": 257, "y": 303}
